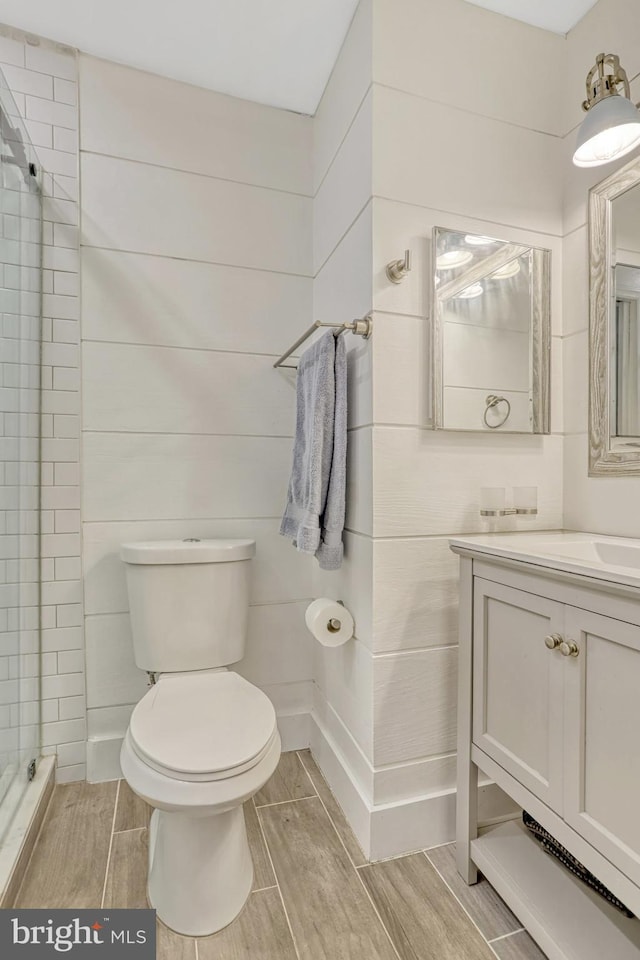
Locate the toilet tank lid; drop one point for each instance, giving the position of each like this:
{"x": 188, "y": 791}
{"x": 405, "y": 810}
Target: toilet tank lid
{"x": 187, "y": 551}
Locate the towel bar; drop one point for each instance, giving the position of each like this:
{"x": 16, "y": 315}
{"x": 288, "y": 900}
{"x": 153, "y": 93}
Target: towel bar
{"x": 362, "y": 328}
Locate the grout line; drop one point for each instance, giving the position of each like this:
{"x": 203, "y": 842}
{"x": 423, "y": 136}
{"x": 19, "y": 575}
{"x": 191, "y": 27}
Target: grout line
{"x": 273, "y": 870}
{"x": 113, "y": 823}
{"x": 505, "y": 936}
{"x": 195, "y": 944}
{"x": 273, "y": 886}
{"x": 364, "y": 886}
{"x": 328, "y": 814}
{"x": 308, "y": 775}
{"x": 457, "y": 899}
{"x": 280, "y": 803}
{"x": 129, "y": 830}
{"x": 446, "y": 843}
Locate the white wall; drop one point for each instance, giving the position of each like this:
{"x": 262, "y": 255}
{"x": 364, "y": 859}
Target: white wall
{"x": 43, "y": 80}
{"x": 465, "y": 136}
{"x": 599, "y": 504}
{"x": 196, "y": 274}
{"x": 452, "y": 144}
{"x": 342, "y": 727}
{"x": 212, "y": 229}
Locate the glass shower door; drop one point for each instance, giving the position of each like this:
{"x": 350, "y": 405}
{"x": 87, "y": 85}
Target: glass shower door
{"x": 20, "y": 331}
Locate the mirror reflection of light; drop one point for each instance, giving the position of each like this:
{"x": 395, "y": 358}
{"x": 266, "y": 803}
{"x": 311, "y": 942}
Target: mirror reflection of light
{"x": 474, "y": 241}
{"x": 508, "y": 270}
{"x": 453, "y": 258}
{"x": 469, "y": 293}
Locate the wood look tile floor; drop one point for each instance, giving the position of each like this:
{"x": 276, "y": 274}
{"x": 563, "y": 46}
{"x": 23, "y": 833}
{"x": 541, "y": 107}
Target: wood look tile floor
{"x": 315, "y": 897}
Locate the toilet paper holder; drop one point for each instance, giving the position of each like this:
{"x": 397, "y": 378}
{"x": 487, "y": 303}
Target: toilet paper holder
{"x": 334, "y": 625}
{"x": 329, "y": 621}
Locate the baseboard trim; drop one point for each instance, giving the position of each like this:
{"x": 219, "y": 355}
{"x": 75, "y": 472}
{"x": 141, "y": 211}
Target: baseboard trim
{"x": 403, "y": 826}
{"x": 103, "y": 753}
{"x": 18, "y": 845}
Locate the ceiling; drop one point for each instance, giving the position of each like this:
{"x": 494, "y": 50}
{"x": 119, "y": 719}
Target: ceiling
{"x": 279, "y": 52}
{"x": 559, "y": 16}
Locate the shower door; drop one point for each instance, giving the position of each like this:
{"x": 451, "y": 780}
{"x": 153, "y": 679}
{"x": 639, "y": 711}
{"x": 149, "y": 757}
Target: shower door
{"x": 20, "y": 329}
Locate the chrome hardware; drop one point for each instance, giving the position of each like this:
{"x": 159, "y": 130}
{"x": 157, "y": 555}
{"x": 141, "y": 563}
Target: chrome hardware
{"x": 552, "y": 641}
{"x": 334, "y": 625}
{"x": 398, "y": 269}
{"x": 153, "y": 678}
{"x": 492, "y": 401}
{"x": 363, "y": 327}
{"x": 569, "y": 648}
{"x": 191, "y": 540}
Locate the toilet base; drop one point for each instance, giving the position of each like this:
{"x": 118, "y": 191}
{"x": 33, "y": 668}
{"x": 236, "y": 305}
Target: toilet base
{"x": 200, "y": 870}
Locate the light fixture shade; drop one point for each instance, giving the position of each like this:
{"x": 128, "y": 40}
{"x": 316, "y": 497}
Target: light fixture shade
{"x": 471, "y": 292}
{"x": 451, "y": 259}
{"x": 610, "y": 129}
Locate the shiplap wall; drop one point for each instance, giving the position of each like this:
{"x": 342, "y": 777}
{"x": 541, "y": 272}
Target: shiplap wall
{"x": 42, "y": 78}
{"x": 472, "y": 143}
{"x": 342, "y": 728}
{"x": 453, "y": 146}
{"x": 196, "y": 273}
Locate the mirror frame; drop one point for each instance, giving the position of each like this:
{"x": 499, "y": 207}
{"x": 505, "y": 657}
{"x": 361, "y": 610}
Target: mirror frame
{"x": 540, "y": 343}
{"x": 605, "y": 460}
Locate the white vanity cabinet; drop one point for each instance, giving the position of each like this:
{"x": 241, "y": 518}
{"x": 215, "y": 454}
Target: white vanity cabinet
{"x": 517, "y": 686}
{"x": 602, "y": 737}
{"x": 549, "y": 708}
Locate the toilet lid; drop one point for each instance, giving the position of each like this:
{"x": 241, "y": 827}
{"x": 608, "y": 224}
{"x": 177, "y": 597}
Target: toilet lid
{"x": 202, "y": 726}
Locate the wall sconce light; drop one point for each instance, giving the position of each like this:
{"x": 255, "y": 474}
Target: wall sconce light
{"x": 612, "y": 125}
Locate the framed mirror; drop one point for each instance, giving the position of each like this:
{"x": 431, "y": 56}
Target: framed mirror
{"x": 614, "y": 324}
{"x": 491, "y": 334}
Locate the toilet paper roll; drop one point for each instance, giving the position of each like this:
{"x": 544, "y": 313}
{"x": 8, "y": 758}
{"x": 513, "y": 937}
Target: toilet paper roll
{"x": 329, "y": 622}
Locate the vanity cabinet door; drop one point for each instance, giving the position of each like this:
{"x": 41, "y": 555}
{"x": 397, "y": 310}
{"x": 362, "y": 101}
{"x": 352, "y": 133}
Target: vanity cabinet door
{"x": 518, "y": 686}
{"x": 602, "y": 736}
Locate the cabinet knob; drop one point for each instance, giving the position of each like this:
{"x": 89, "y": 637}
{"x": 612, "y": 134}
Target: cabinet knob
{"x": 569, "y": 648}
{"x": 552, "y": 641}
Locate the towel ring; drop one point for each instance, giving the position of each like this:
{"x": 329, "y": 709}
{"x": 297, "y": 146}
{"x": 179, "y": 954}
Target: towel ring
{"x": 492, "y": 401}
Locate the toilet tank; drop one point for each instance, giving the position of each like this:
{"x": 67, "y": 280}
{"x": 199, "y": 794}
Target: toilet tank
{"x": 189, "y": 602}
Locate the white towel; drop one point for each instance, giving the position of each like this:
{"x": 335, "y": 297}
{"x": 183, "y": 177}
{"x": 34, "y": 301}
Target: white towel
{"x": 314, "y": 514}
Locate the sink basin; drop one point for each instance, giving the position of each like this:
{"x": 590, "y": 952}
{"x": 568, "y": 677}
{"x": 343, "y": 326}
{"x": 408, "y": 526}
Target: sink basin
{"x": 616, "y": 559}
{"x": 595, "y": 551}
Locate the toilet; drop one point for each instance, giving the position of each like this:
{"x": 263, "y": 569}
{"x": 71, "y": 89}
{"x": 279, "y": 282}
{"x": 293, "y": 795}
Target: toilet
{"x": 202, "y": 740}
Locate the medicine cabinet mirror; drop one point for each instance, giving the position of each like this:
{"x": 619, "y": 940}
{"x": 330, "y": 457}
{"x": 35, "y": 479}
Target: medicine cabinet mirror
{"x": 614, "y": 335}
{"x": 491, "y": 334}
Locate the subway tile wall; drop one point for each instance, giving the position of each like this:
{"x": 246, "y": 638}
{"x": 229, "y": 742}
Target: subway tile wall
{"x": 43, "y": 80}
{"x": 19, "y": 473}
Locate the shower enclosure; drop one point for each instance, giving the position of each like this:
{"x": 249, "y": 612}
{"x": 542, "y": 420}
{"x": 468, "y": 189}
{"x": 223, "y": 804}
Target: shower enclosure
{"x": 20, "y": 336}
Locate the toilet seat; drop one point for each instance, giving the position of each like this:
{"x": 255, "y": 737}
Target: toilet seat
{"x": 203, "y": 727}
